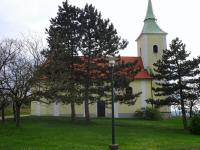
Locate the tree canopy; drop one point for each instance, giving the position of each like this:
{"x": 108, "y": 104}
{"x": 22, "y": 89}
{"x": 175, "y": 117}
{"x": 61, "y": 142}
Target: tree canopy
{"x": 80, "y": 41}
{"x": 174, "y": 76}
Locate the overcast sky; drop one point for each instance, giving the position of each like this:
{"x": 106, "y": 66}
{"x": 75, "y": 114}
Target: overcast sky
{"x": 179, "y": 18}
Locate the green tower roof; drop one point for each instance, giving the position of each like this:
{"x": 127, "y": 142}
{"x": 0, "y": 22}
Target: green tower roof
{"x": 150, "y": 24}
{"x": 150, "y": 14}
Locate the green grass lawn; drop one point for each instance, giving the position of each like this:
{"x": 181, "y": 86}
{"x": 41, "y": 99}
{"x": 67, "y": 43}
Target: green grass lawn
{"x": 59, "y": 133}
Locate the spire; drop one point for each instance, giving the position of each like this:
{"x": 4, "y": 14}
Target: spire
{"x": 150, "y": 14}
{"x": 150, "y": 24}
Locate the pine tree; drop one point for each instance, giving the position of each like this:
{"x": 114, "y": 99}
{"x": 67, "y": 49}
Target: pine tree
{"x": 99, "y": 39}
{"x": 123, "y": 74}
{"x": 194, "y": 101}
{"x": 63, "y": 39}
{"x": 80, "y": 30}
{"x": 174, "y": 75}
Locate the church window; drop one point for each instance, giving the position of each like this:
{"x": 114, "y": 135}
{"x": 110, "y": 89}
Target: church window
{"x": 155, "y": 49}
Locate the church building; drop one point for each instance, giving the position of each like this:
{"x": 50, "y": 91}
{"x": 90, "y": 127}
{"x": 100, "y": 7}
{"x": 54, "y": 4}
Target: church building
{"x": 150, "y": 45}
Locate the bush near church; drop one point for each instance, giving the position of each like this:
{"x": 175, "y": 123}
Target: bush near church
{"x": 152, "y": 114}
{"x": 139, "y": 114}
{"x": 149, "y": 114}
{"x": 195, "y": 124}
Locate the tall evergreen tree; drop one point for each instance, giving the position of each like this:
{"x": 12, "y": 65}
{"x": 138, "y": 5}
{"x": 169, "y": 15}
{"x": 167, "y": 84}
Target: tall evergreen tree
{"x": 80, "y": 30}
{"x": 101, "y": 73}
{"x": 194, "y": 101}
{"x": 99, "y": 39}
{"x": 174, "y": 75}
{"x": 63, "y": 39}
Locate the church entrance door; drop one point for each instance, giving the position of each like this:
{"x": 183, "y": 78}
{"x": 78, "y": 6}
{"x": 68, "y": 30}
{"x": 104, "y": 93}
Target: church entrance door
{"x": 101, "y": 109}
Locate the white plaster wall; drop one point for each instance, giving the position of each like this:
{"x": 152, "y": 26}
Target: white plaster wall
{"x": 38, "y": 109}
{"x": 56, "y": 109}
{"x": 83, "y": 108}
{"x": 116, "y": 109}
{"x": 144, "y": 94}
{"x": 145, "y": 52}
{"x": 164, "y": 42}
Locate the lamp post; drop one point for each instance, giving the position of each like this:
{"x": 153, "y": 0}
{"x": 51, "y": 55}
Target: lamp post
{"x": 113, "y": 146}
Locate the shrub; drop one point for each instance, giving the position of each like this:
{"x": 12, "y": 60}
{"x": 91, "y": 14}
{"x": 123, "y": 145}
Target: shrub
{"x": 139, "y": 114}
{"x": 148, "y": 113}
{"x": 195, "y": 124}
{"x": 152, "y": 114}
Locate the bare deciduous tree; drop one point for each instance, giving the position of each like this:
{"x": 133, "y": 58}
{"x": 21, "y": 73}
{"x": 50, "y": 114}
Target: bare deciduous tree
{"x": 19, "y": 62}
{"x": 8, "y": 49}
{"x": 19, "y": 79}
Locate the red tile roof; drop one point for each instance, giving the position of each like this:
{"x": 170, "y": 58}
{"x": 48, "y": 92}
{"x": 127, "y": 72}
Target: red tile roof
{"x": 143, "y": 74}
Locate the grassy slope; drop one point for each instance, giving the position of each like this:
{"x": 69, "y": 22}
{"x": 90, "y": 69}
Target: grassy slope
{"x": 48, "y": 133}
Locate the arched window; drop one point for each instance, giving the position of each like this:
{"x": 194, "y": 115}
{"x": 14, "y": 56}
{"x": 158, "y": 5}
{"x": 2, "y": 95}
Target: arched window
{"x": 129, "y": 91}
{"x": 155, "y": 49}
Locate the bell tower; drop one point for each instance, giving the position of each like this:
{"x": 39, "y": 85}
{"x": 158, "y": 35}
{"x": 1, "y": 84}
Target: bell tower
{"x": 152, "y": 40}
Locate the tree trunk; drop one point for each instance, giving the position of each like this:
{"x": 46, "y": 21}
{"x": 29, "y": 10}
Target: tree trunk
{"x": 73, "y": 112}
{"x": 191, "y": 112}
{"x": 152, "y": 94}
{"x": 152, "y": 105}
{"x": 18, "y": 115}
{"x": 176, "y": 113}
{"x": 3, "y": 114}
{"x": 14, "y": 112}
{"x": 184, "y": 118}
{"x": 87, "y": 84}
{"x": 87, "y": 112}
{"x": 184, "y": 115}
